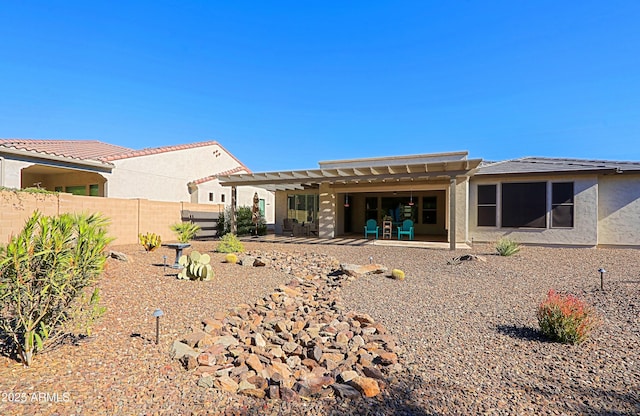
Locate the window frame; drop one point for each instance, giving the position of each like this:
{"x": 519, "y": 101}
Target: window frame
{"x": 512, "y": 196}
{"x": 493, "y": 205}
{"x": 570, "y": 205}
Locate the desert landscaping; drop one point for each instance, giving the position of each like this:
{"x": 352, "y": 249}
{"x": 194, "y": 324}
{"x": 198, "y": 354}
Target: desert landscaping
{"x": 465, "y": 335}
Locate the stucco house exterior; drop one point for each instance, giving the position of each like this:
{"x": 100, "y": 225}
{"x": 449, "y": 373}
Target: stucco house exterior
{"x": 452, "y": 198}
{"x": 181, "y": 173}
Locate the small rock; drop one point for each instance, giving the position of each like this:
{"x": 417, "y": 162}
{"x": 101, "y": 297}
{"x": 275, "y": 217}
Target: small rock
{"x": 366, "y": 385}
{"x": 345, "y": 391}
{"x": 206, "y": 382}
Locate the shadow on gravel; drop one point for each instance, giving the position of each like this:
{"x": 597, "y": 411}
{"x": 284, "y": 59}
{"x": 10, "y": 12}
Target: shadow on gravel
{"x": 593, "y": 401}
{"x": 521, "y": 332}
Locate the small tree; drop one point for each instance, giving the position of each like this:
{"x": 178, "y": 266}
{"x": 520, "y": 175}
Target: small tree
{"x": 244, "y": 222}
{"x": 44, "y": 272}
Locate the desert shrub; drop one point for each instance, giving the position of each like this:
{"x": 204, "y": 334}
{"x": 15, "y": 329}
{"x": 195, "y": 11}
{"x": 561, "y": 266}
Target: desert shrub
{"x": 229, "y": 243}
{"x": 195, "y": 266}
{"x": 244, "y": 222}
{"x": 565, "y": 318}
{"x": 231, "y": 258}
{"x": 150, "y": 241}
{"x": 507, "y": 247}
{"x": 185, "y": 231}
{"x": 397, "y": 274}
{"x": 44, "y": 272}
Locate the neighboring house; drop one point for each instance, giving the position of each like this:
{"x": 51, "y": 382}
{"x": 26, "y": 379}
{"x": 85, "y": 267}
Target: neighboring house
{"x": 85, "y": 167}
{"x": 531, "y": 200}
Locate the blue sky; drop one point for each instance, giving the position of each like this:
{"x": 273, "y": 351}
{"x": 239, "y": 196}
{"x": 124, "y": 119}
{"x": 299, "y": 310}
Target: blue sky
{"x": 283, "y": 85}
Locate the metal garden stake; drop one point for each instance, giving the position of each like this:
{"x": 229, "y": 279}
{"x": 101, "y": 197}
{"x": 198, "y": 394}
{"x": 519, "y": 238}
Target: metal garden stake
{"x": 158, "y": 313}
{"x": 602, "y": 272}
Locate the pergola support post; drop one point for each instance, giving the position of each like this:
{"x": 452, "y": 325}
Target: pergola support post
{"x": 452, "y": 213}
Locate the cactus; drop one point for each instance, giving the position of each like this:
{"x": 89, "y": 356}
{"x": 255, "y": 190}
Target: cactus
{"x": 150, "y": 241}
{"x": 397, "y": 274}
{"x": 195, "y": 266}
{"x": 231, "y": 258}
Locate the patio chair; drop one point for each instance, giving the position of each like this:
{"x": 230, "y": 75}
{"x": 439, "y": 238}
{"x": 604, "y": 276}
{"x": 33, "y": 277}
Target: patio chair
{"x": 371, "y": 228}
{"x": 287, "y": 225}
{"x": 406, "y": 229}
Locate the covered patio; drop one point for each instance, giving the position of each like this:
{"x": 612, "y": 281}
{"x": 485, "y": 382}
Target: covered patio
{"x": 339, "y": 197}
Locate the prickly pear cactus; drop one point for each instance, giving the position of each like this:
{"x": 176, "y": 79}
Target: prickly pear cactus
{"x": 150, "y": 241}
{"x": 195, "y": 266}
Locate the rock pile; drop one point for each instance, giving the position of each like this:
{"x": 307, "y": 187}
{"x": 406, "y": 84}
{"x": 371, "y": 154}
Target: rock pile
{"x": 296, "y": 342}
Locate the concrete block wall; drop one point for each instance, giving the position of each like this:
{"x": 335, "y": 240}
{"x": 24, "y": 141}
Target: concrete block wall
{"x": 128, "y": 217}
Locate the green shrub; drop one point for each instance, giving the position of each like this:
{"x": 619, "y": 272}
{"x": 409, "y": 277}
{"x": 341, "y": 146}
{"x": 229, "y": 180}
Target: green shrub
{"x": 565, "y": 318}
{"x": 185, "y": 231}
{"x": 507, "y": 247}
{"x": 150, "y": 241}
{"x": 244, "y": 223}
{"x": 44, "y": 272}
{"x": 195, "y": 266}
{"x": 229, "y": 243}
{"x": 231, "y": 258}
{"x": 397, "y": 274}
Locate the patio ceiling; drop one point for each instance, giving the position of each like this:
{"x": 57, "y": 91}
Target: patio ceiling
{"x": 312, "y": 178}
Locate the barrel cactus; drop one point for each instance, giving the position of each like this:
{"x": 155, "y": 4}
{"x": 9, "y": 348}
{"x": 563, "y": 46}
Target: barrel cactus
{"x": 397, "y": 274}
{"x": 195, "y": 266}
{"x": 231, "y": 258}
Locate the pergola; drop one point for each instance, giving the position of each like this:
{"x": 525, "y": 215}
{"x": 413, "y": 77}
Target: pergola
{"x": 390, "y": 172}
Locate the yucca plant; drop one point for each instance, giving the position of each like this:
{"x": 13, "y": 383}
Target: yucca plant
{"x": 44, "y": 272}
{"x": 507, "y": 247}
{"x": 185, "y": 231}
{"x": 150, "y": 241}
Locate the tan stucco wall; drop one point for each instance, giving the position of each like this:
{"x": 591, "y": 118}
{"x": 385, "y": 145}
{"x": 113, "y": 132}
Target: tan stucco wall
{"x": 583, "y": 233}
{"x": 164, "y": 176}
{"x": 128, "y": 217}
{"x": 619, "y": 209}
{"x": 10, "y": 175}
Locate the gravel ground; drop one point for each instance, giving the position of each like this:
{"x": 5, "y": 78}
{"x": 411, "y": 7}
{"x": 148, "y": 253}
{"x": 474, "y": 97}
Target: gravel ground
{"x": 467, "y": 332}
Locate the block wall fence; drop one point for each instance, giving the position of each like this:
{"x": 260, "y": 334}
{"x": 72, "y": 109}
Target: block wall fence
{"x": 127, "y": 217}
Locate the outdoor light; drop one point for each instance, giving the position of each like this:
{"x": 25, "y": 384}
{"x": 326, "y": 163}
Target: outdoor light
{"x": 164, "y": 264}
{"x": 158, "y": 313}
{"x": 411, "y": 199}
{"x": 370, "y": 259}
{"x": 602, "y": 272}
{"x": 346, "y": 201}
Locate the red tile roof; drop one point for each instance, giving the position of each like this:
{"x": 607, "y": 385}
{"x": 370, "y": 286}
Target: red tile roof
{"x": 155, "y": 150}
{"x": 76, "y": 149}
{"x": 226, "y": 172}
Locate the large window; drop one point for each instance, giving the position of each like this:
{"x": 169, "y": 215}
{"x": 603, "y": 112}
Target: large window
{"x": 303, "y": 207}
{"x": 430, "y": 210}
{"x": 562, "y": 205}
{"x": 487, "y": 205}
{"x": 524, "y": 205}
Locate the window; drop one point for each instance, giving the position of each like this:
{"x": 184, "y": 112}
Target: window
{"x": 76, "y": 190}
{"x": 303, "y": 207}
{"x": 261, "y": 206}
{"x": 371, "y": 205}
{"x": 430, "y": 210}
{"x": 487, "y": 205}
{"x": 562, "y": 205}
{"x": 94, "y": 190}
{"x": 222, "y": 197}
{"x": 210, "y": 196}
{"x": 524, "y": 205}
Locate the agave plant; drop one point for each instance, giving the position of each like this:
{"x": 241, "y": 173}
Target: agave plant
{"x": 195, "y": 266}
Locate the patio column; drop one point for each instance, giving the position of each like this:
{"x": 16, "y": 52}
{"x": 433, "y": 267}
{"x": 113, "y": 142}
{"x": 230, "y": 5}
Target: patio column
{"x": 452, "y": 213}
{"x": 232, "y": 219}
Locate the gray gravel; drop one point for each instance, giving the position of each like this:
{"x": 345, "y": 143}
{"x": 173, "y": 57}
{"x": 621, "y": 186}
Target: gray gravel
{"x": 468, "y": 334}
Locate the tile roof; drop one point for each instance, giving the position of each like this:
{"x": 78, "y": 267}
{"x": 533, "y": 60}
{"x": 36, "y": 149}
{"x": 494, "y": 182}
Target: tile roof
{"x": 550, "y": 165}
{"x": 237, "y": 169}
{"x": 155, "y": 150}
{"x": 75, "y": 149}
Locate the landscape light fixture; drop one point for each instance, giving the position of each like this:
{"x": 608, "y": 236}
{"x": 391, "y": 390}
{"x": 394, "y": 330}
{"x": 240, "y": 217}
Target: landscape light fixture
{"x": 158, "y": 313}
{"x": 602, "y": 272}
{"x": 164, "y": 264}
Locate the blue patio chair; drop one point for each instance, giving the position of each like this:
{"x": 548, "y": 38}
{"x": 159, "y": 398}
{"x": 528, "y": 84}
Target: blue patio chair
{"x": 406, "y": 229}
{"x": 371, "y": 228}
